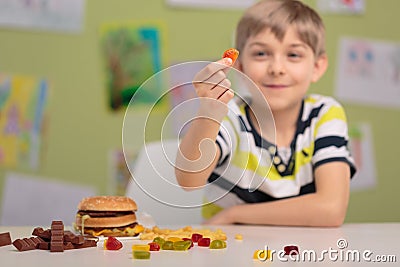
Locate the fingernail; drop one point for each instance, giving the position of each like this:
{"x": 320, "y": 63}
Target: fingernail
{"x": 228, "y": 61}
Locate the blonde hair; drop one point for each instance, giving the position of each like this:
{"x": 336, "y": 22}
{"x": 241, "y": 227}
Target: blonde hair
{"x": 278, "y": 15}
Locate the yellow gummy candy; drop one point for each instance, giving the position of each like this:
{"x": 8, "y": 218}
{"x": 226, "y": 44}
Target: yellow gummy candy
{"x": 238, "y": 237}
{"x": 136, "y": 247}
{"x": 174, "y": 239}
{"x": 260, "y": 254}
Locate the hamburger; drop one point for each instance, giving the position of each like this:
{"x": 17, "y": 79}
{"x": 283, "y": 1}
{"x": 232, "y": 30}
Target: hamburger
{"x": 107, "y": 216}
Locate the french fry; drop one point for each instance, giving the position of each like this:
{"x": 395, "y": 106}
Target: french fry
{"x": 184, "y": 232}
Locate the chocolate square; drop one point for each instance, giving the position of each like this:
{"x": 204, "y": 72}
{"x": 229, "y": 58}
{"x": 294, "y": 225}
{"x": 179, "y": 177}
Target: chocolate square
{"x": 5, "y": 239}
{"x": 30, "y": 242}
{"x": 68, "y": 245}
{"x": 44, "y": 245}
{"x": 56, "y": 246}
{"x": 22, "y": 245}
{"x": 86, "y": 244}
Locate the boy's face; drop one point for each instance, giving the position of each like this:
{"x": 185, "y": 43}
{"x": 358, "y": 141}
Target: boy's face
{"x": 283, "y": 70}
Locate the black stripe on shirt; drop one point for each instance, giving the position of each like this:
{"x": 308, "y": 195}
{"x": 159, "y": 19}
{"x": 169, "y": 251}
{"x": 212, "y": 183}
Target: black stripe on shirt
{"x": 258, "y": 140}
{"x": 243, "y": 126}
{"x": 327, "y": 141}
{"x": 220, "y": 160}
{"x": 303, "y": 125}
{"x": 223, "y": 138}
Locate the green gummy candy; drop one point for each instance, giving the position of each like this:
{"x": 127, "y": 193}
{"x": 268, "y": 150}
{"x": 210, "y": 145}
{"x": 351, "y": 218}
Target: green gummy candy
{"x": 159, "y": 241}
{"x": 217, "y": 244}
{"x": 141, "y": 255}
{"x": 182, "y": 245}
{"x": 168, "y": 245}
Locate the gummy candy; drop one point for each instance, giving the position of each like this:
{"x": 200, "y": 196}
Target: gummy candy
{"x": 238, "y": 237}
{"x": 140, "y": 247}
{"x": 142, "y": 255}
{"x": 217, "y": 244}
{"x": 168, "y": 245}
{"x": 260, "y": 254}
{"x": 291, "y": 250}
{"x": 196, "y": 237}
{"x": 174, "y": 238}
{"x": 159, "y": 240}
{"x": 182, "y": 245}
{"x": 111, "y": 243}
{"x": 188, "y": 239}
{"x": 204, "y": 242}
{"x": 154, "y": 246}
{"x": 232, "y": 53}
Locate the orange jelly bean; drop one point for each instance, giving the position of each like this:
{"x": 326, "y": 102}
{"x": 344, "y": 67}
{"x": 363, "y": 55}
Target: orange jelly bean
{"x": 232, "y": 53}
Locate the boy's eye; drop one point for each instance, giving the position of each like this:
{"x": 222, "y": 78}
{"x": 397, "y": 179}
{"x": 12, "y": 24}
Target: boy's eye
{"x": 259, "y": 53}
{"x": 293, "y": 55}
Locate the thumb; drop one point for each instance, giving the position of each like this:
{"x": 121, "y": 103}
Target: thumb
{"x": 226, "y": 61}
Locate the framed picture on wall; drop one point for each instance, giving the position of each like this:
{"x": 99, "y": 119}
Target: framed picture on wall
{"x": 132, "y": 54}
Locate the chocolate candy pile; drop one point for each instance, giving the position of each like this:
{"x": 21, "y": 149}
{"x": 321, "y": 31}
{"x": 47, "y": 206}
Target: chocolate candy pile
{"x": 54, "y": 239}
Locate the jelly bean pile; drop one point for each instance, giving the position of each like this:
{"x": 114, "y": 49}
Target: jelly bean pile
{"x": 181, "y": 239}
{"x": 142, "y": 251}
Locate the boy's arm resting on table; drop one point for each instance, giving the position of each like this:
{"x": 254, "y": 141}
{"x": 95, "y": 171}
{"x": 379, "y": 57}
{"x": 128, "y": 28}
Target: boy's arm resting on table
{"x": 326, "y": 207}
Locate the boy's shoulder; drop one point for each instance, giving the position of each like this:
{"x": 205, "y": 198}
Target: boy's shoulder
{"x": 316, "y": 105}
{"x": 316, "y": 100}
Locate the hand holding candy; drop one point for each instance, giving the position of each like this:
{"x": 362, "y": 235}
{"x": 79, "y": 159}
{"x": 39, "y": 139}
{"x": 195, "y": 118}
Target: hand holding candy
{"x": 211, "y": 84}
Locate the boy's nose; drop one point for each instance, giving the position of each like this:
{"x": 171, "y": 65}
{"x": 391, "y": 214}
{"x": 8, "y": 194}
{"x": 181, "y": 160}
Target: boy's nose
{"x": 276, "y": 67}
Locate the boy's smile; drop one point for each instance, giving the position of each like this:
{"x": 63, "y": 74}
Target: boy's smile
{"x": 282, "y": 69}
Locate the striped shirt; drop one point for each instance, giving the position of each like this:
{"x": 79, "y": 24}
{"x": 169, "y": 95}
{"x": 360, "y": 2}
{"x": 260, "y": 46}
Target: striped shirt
{"x": 251, "y": 169}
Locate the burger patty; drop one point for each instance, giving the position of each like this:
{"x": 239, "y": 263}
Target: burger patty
{"x": 96, "y": 214}
{"x": 121, "y": 228}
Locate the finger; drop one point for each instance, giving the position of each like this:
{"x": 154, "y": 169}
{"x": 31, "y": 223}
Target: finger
{"x": 226, "y": 96}
{"x": 217, "y": 92}
{"x": 212, "y": 68}
{"x": 226, "y": 83}
{"x": 220, "y": 88}
{"x": 216, "y": 79}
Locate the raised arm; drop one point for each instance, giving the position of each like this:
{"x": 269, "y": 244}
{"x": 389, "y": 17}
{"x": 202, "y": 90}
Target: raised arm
{"x": 198, "y": 153}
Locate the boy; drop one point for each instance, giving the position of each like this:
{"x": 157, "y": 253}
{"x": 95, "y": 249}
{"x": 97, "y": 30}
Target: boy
{"x": 281, "y": 44}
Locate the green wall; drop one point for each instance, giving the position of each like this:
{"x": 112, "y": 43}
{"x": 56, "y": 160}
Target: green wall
{"x": 82, "y": 129}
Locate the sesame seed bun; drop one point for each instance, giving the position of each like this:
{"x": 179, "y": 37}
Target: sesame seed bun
{"x": 107, "y": 203}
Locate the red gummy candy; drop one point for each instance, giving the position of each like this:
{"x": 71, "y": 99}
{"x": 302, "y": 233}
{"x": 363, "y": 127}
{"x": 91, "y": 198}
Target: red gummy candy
{"x": 113, "y": 244}
{"x": 196, "y": 237}
{"x": 154, "y": 246}
{"x": 291, "y": 250}
{"x": 204, "y": 242}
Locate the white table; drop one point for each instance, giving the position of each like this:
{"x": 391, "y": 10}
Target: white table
{"x": 369, "y": 240}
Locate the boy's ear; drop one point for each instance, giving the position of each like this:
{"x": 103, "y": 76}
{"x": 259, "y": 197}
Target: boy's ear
{"x": 237, "y": 65}
{"x": 320, "y": 66}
